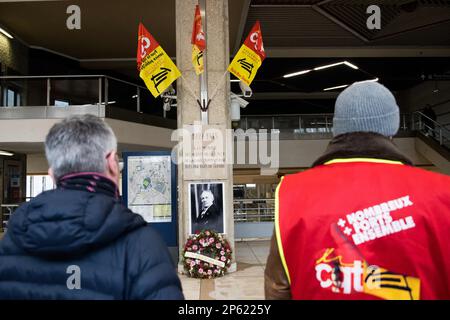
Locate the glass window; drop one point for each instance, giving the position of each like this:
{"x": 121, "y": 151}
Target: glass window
{"x": 37, "y": 184}
{"x": 61, "y": 103}
{"x": 10, "y": 95}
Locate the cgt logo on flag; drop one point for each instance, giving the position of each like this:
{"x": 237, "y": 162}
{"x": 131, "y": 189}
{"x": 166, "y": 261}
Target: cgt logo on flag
{"x": 198, "y": 42}
{"x": 155, "y": 67}
{"x": 249, "y": 57}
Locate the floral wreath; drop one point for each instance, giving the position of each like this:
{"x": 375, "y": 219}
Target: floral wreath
{"x": 206, "y": 255}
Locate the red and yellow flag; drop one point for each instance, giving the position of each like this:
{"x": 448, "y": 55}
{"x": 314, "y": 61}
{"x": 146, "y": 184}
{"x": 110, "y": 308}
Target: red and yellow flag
{"x": 198, "y": 42}
{"x": 155, "y": 67}
{"x": 249, "y": 57}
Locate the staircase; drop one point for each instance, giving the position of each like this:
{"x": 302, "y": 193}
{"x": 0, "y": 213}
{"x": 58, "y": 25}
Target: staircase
{"x": 433, "y": 141}
{"x": 431, "y": 131}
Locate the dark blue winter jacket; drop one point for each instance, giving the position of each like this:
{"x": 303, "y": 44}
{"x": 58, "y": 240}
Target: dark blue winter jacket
{"x": 117, "y": 254}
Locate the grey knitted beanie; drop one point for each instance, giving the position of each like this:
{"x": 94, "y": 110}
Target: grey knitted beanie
{"x": 366, "y": 106}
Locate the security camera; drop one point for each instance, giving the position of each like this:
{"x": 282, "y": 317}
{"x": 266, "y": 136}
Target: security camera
{"x": 238, "y": 100}
{"x": 236, "y": 104}
{"x": 170, "y": 90}
{"x": 246, "y": 90}
{"x": 167, "y": 104}
{"x": 169, "y": 93}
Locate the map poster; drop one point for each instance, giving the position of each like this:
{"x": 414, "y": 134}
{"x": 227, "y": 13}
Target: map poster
{"x": 149, "y": 187}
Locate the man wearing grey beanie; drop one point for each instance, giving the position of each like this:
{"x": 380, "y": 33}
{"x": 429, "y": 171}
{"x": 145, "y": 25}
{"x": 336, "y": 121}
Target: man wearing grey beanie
{"x": 362, "y": 223}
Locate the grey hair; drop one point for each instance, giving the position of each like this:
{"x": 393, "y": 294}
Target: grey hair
{"x": 207, "y": 191}
{"x": 79, "y": 144}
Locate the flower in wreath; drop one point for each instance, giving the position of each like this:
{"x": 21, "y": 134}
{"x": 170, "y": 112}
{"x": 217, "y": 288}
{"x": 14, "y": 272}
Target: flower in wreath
{"x": 206, "y": 255}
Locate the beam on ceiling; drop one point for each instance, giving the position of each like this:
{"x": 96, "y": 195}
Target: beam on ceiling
{"x": 242, "y": 22}
{"x": 321, "y": 3}
{"x": 339, "y": 23}
{"x": 395, "y": 34}
{"x": 357, "y": 52}
{"x": 5, "y": 1}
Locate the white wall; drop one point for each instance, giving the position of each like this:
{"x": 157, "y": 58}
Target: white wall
{"x": 37, "y": 164}
{"x": 302, "y": 153}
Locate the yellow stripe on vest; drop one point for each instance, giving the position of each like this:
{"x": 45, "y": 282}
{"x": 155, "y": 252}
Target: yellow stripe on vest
{"x": 363, "y": 160}
{"x": 277, "y": 230}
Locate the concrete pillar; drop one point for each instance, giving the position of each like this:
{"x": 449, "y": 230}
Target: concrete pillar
{"x": 217, "y": 60}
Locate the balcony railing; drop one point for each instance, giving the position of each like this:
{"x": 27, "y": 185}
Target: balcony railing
{"x": 59, "y": 96}
{"x": 431, "y": 129}
{"x": 73, "y": 90}
{"x": 303, "y": 125}
{"x": 6, "y": 210}
{"x": 254, "y": 210}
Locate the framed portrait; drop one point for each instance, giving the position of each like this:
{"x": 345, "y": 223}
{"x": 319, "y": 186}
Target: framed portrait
{"x": 206, "y": 207}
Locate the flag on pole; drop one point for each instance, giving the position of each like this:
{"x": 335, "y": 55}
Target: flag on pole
{"x": 249, "y": 57}
{"x": 155, "y": 67}
{"x": 198, "y": 42}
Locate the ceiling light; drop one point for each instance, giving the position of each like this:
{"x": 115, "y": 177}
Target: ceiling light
{"x": 5, "y": 153}
{"x": 373, "y": 80}
{"x": 234, "y": 80}
{"x": 6, "y": 33}
{"x": 296, "y": 73}
{"x": 329, "y": 66}
{"x": 350, "y": 65}
{"x": 338, "y": 87}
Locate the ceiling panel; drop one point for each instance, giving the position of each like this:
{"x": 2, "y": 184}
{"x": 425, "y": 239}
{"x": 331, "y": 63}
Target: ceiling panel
{"x": 297, "y": 26}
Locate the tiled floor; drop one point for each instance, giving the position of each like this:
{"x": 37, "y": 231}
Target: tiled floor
{"x": 247, "y": 283}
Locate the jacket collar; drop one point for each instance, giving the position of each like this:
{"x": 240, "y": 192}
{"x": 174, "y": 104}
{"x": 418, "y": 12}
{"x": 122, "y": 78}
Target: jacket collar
{"x": 362, "y": 145}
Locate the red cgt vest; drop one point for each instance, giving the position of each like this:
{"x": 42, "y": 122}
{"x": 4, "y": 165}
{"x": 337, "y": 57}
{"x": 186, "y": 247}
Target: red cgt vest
{"x": 365, "y": 229}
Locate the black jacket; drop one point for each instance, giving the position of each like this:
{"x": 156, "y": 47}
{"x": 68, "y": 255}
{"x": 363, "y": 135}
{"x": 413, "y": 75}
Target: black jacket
{"x": 118, "y": 255}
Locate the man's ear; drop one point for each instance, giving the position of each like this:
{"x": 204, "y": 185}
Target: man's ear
{"x": 112, "y": 167}
{"x": 51, "y": 174}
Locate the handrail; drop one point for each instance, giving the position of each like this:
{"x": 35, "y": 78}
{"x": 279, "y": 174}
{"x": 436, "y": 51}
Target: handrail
{"x": 253, "y": 199}
{"x": 288, "y": 115}
{"x": 10, "y": 208}
{"x": 71, "y": 76}
{"x": 254, "y": 210}
{"x": 433, "y": 121}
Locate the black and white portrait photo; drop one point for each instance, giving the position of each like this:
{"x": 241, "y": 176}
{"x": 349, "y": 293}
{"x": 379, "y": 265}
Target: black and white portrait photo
{"x": 207, "y": 206}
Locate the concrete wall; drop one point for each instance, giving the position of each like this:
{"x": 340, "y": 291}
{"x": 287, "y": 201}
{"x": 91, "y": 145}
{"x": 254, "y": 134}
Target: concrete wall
{"x": 127, "y": 132}
{"x": 140, "y": 134}
{"x": 293, "y": 153}
{"x": 13, "y": 55}
{"x": 246, "y": 230}
{"x": 302, "y": 153}
{"x": 37, "y": 164}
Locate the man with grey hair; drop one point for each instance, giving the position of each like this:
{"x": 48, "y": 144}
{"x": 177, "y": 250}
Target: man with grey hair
{"x": 210, "y": 216}
{"x": 78, "y": 241}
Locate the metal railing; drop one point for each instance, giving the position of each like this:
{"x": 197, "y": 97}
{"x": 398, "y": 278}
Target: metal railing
{"x": 296, "y": 125}
{"x": 6, "y": 210}
{"x": 76, "y": 90}
{"x": 254, "y": 210}
{"x": 56, "y": 97}
{"x": 431, "y": 129}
